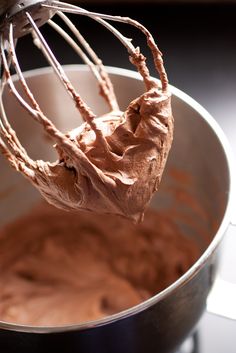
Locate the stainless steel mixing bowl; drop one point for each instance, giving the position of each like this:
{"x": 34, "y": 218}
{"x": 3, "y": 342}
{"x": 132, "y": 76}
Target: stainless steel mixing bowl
{"x": 200, "y": 151}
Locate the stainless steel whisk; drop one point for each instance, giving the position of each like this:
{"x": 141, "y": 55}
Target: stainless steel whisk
{"x": 27, "y": 16}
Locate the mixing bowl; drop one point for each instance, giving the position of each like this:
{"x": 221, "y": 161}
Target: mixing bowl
{"x": 197, "y": 184}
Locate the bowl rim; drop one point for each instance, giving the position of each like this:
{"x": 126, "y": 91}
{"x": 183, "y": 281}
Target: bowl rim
{"x": 195, "y": 268}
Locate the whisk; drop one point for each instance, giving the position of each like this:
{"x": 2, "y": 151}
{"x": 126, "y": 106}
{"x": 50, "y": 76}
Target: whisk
{"x": 112, "y": 163}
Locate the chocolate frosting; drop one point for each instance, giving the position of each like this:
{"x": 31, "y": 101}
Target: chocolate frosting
{"x": 122, "y": 180}
{"x": 68, "y": 267}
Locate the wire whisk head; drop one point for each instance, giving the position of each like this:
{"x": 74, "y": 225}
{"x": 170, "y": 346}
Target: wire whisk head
{"x": 113, "y": 163}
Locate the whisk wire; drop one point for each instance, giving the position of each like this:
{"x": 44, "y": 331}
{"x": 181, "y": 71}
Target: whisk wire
{"x": 84, "y": 110}
{"x": 104, "y": 80}
{"x": 78, "y": 50}
{"x": 157, "y": 55}
{"x": 11, "y": 84}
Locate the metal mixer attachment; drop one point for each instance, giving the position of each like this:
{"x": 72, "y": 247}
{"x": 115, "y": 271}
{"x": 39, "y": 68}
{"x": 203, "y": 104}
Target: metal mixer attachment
{"x": 26, "y": 17}
{"x": 16, "y": 15}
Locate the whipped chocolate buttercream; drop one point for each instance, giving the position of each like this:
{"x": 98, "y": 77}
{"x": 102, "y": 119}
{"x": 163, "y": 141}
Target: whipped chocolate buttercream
{"x": 61, "y": 267}
{"x": 110, "y": 164}
{"x": 122, "y": 179}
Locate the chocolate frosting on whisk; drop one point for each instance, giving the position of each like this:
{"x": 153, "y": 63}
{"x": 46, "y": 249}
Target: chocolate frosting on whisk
{"x": 110, "y": 164}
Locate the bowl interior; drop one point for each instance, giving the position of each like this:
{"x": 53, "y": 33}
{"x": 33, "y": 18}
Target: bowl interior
{"x": 196, "y": 179}
{"x": 195, "y": 185}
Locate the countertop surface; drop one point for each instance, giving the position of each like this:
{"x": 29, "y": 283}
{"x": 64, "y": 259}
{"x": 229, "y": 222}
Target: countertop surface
{"x": 199, "y": 47}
